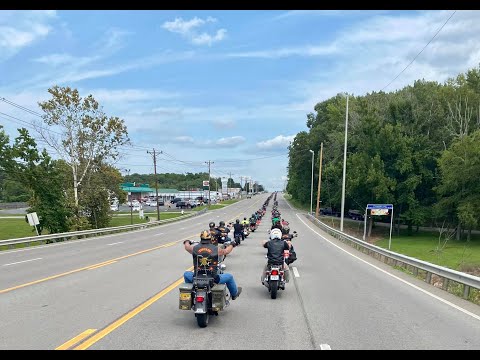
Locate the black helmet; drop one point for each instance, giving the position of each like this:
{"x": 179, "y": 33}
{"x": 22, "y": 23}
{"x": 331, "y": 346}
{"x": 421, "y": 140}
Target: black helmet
{"x": 211, "y": 224}
{"x": 222, "y": 223}
{"x": 244, "y": 218}
{"x": 237, "y": 221}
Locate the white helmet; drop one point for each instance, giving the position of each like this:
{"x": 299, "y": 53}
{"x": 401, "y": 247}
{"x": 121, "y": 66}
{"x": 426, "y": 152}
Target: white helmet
{"x": 275, "y": 234}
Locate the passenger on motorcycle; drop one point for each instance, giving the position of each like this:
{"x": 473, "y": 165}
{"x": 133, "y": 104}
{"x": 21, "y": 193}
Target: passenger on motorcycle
{"x": 276, "y": 245}
{"x": 209, "y": 253}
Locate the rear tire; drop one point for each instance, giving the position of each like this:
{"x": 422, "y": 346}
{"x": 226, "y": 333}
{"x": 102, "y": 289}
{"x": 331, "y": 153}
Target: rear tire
{"x": 273, "y": 289}
{"x": 202, "y": 320}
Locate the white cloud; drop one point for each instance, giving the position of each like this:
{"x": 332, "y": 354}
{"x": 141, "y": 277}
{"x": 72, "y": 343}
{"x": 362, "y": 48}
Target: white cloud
{"x": 278, "y": 142}
{"x": 19, "y": 29}
{"x": 224, "y": 123}
{"x": 187, "y": 29}
{"x": 308, "y": 50}
{"x": 55, "y": 59}
{"x": 184, "y": 139}
{"x": 206, "y": 39}
{"x": 230, "y": 141}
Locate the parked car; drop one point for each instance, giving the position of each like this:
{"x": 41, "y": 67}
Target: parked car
{"x": 182, "y": 204}
{"x": 114, "y": 207}
{"x": 356, "y": 215}
{"x": 329, "y": 211}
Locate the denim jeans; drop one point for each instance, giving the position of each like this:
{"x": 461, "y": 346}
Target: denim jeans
{"x": 224, "y": 279}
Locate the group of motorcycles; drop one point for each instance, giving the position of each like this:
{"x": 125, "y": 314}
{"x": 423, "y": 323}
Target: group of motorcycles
{"x": 276, "y": 275}
{"x": 205, "y": 296}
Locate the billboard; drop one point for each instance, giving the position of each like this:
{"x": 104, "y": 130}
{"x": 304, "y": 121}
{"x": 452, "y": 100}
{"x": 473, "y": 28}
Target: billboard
{"x": 206, "y": 185}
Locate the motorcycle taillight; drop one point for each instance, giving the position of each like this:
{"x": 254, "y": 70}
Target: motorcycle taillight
{"x": 199, "y": 299}
{"x": 274, "y": 272}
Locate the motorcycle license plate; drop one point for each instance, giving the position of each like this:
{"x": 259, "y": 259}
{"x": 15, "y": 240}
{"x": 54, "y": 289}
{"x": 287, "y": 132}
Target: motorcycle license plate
{"x": 273, "y": 277}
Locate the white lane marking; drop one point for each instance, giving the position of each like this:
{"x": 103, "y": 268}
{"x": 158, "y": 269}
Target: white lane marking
{"x": 295, "y": 271}
{"x": 218, "y": 215}
{"x": 396, "y": 277}
{"x": 182, "y": 228}
{"x": 115, "y": 243}
{"x": 198, "y": 223}
{"x": 158, "y": 234}
{"x": 325, "y": 347}
{"x": 19, "y": 262}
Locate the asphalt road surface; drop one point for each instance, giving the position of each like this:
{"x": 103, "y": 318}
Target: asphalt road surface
{"x": 121, "y": 292}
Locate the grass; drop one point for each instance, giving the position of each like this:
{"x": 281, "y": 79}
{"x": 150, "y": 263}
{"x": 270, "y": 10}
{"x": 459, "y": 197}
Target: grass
{"x": 296, "y": 204}
{"x": 16, "y": 228}
{"x": 228, "y": 202}
{"x": 424, "y": 245}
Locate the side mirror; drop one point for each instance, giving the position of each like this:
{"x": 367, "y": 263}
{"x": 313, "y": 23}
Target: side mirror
{"x": 223, "y": 266}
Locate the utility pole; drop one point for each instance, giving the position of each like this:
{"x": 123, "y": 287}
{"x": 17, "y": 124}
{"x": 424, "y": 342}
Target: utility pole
{"x": 209, "y": 173}
{"x": 155, "y": 153}
{"x": 241, "y": 186}
{"x": 130, "y": 200}
{"x": 319, "y": 180}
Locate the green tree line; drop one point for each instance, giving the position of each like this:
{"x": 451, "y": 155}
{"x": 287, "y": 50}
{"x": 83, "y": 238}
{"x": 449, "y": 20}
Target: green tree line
{"x": 417, "y": 148}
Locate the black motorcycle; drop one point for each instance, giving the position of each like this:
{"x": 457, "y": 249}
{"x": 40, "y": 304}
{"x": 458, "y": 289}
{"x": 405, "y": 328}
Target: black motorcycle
{"x": 204, "y": 296}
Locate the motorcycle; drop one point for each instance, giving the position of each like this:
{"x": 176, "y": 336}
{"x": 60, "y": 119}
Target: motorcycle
{"x": 237, "y": 238}
{"x": 275, "y": 276}
{"x": 205, "y": 297}
{"x": 253, "y": 227}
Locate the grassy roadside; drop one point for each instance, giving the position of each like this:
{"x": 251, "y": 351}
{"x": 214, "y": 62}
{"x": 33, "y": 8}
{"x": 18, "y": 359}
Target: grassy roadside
{"x": 18, "y": 228}
{"x": 458, "y": 255}
{"x": 296, "y": 204}
{"x": 425, "y": 245}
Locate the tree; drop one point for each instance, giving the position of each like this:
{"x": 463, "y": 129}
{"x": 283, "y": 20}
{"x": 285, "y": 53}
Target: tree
{"x": 41, "y": 175}
{"x": 86, "y": 137}
{"x": 459, "y": 187}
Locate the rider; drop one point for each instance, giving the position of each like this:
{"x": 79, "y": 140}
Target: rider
{"x": 238, "y": 229}
{"x": 223, "y": 231}
{"x": 288, "y": 237}
{"x": 211, "y": 251}
{"x": 214, "y": 232}
{"x": 245, "y": 222}
{"x": 253, "y": 220}
{"x": 276, "y": 245}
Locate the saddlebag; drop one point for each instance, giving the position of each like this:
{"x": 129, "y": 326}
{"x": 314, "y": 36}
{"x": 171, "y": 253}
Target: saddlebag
{"x": 185, "y": 298}
{"x": 219, "y": 292}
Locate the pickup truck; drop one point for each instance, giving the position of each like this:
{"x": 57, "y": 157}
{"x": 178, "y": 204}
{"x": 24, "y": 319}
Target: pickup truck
{"x": 356, "y": 215}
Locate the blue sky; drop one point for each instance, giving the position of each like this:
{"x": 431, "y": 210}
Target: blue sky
{"x": 222, "y": 85}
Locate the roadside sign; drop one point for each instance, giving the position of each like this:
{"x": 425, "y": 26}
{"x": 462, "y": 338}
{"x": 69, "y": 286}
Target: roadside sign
{"x": 33, "y": 219}
{"x": 379, "y": 206}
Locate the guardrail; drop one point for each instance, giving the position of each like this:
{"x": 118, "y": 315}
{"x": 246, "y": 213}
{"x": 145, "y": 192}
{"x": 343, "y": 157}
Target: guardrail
{"x": 468, "y": 281}
{"x": 74, "y": 235}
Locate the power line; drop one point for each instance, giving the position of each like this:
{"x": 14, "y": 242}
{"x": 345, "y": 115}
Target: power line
{"x": 411, "y": 62}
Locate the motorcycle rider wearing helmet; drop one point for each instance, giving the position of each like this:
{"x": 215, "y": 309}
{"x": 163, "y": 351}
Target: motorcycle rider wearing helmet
{"x": 223, "y": 230}
{"x": 214, "y": 232}
{"x": 276, "y": 245}
{"x": 207, "y": 249}
{"x": 238, "y": 229}
{"x": 245, "y": 222}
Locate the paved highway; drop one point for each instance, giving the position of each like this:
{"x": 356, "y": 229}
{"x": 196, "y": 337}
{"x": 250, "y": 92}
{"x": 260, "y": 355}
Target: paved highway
{"x": 120, "y": 292}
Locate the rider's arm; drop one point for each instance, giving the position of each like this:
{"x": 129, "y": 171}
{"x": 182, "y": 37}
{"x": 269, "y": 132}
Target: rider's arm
{"x": 265, "y": 242}
{"x": 225, "y": 251}
{"x": 188, "y": 246}
{"x": 288, "y": 245}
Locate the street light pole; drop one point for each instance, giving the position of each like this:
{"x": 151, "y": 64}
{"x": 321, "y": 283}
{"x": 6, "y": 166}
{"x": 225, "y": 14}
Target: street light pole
{"x": 311, "y": 189}
{"x": 344, "y": 168}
